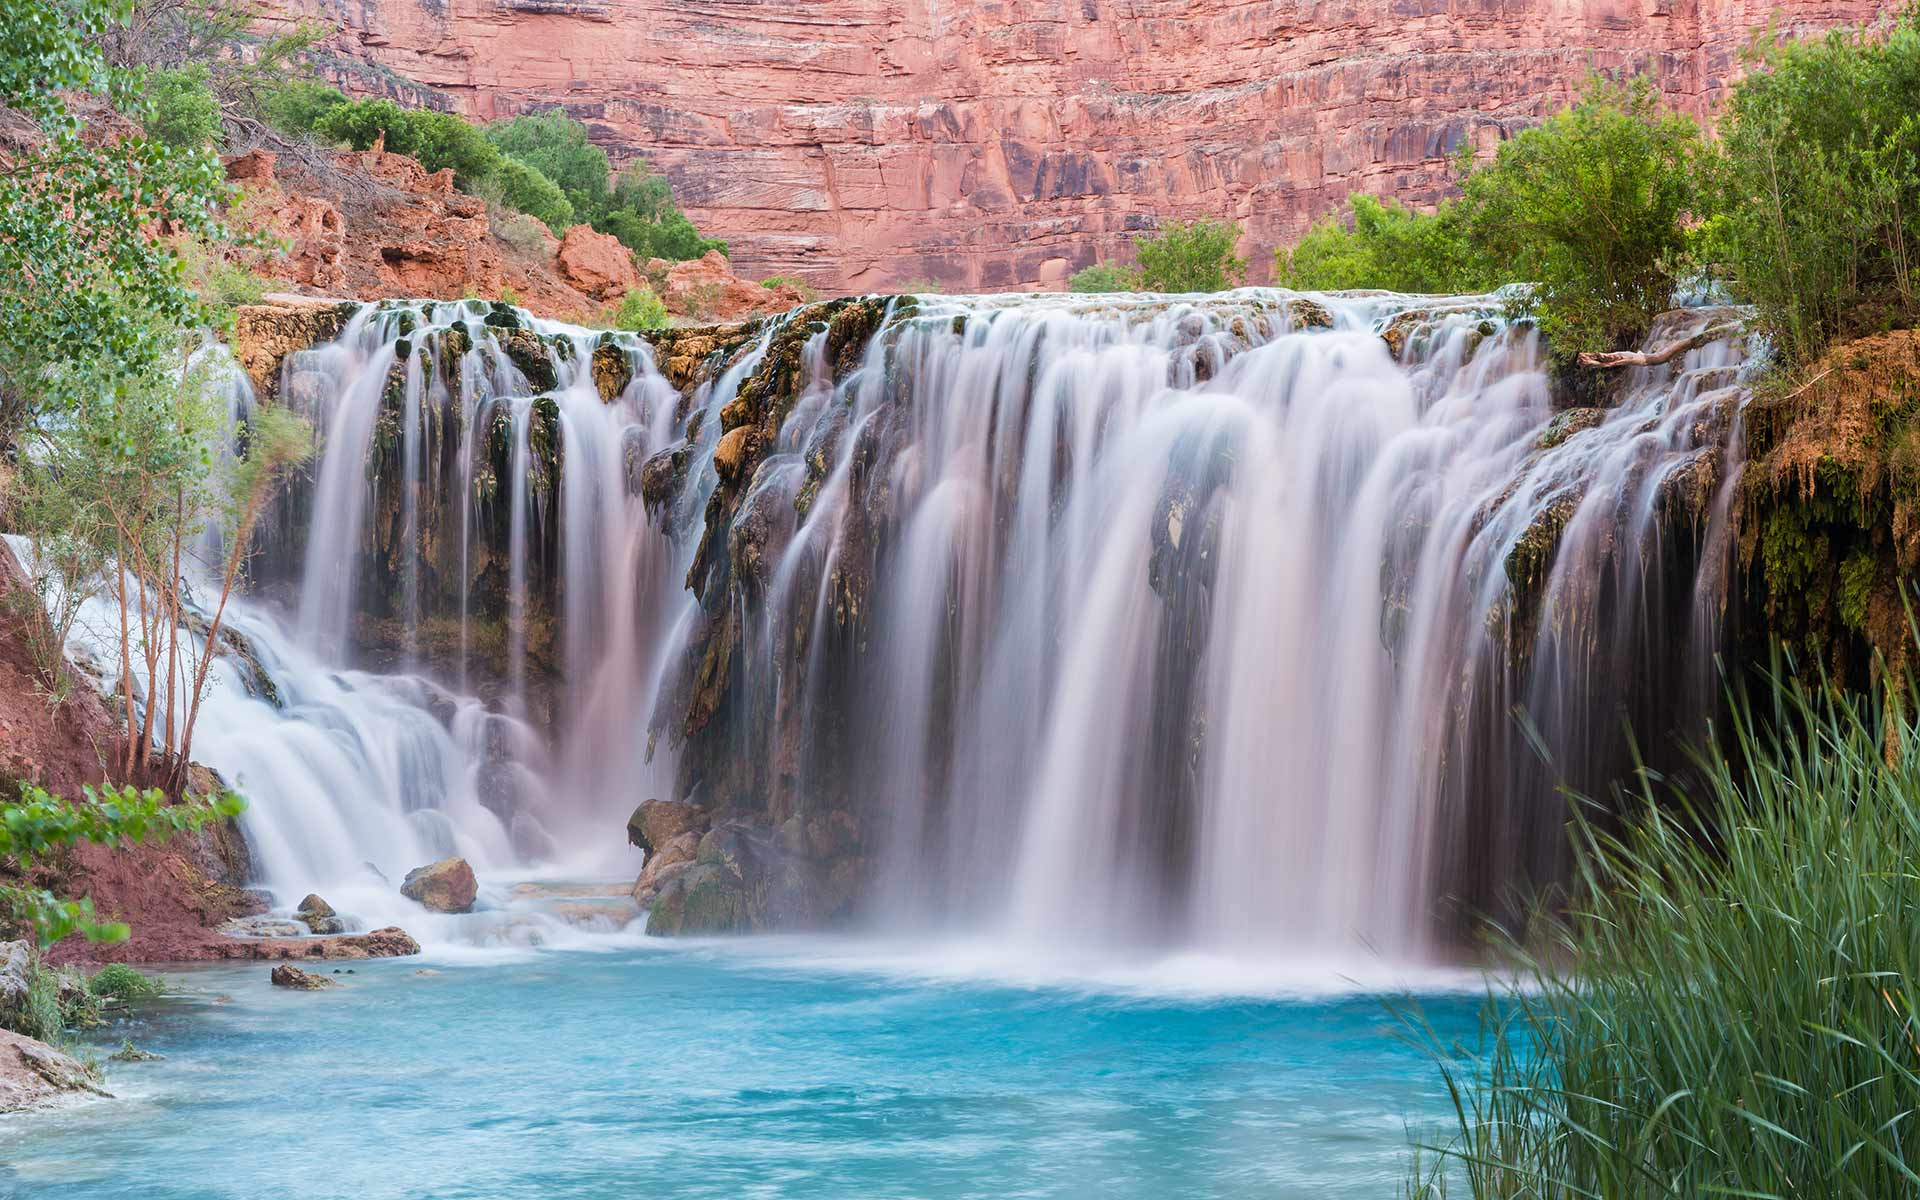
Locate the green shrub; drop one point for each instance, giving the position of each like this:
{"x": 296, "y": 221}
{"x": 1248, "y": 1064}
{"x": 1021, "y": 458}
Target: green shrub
{"x": 1592, "y": 206}
{"x": 635, "y": 206}
{"x": 519, "y": 187}
{"x": 184, "y": 112}
{"x": 1729, "y": 1002}
{"x": 119, "y": 981}
{"x": 1386, "y": 245}
{"x": 1191, "y": 256}
{"x": 296, "y": 106}
{"x": 806, "y": 290}
{"x": 45, "y": 1014}
{"x": 640, "y": 310}
{"x": 557, "y": 146}
{"x": 1818, "y": 178}
{"x": 439, "y": 140}
{"x": 1104, "y": 277}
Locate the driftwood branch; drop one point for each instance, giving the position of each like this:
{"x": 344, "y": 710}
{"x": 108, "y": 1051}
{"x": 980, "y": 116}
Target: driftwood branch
{"x": 1637, "y": 358}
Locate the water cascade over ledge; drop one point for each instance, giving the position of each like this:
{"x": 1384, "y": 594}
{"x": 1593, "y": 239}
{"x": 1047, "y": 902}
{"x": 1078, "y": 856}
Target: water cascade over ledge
{"x": 1251, "y": 622}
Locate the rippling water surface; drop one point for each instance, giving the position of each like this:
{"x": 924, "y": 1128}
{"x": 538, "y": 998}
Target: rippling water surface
{"x": 762, "y": 1068}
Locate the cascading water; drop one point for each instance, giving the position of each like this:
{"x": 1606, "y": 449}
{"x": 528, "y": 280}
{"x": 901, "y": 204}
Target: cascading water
{"x": 1202, "y": 620}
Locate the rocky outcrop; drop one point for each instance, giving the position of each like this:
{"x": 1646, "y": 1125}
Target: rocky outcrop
{"x": 372, "y": 224}
{"x": 657, "y": 823}
{"x": 596, "y": 263}
{"x": 1830, "y": 512}
{"x": 746, "y": 877}
{"x": 390, "y": 942}
{"x": 33, "y": 1074}
{"x": 375, "y": 225}
{"x": 283, "y": 322}
{"x": 863, "y": 144}
{"x": 706, "y": 289}
{"x": 447, "y": 886}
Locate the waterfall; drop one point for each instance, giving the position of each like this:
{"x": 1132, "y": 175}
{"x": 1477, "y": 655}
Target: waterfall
{"x": 1257, "y": 622}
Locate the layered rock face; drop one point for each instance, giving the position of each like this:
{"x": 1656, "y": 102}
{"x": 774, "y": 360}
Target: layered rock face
{"x": 989, "y": 144}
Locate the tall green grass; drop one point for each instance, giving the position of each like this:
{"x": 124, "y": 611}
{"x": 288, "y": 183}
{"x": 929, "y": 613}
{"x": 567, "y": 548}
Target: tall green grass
{"x": 1730, "y": 1003}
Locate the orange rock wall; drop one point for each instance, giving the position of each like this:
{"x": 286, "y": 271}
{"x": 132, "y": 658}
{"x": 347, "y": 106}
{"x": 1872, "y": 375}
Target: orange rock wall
{"x": 989, "y": 144}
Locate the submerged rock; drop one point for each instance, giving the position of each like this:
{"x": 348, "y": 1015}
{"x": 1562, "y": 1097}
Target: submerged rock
{"x": 288, "y": 976}
{"x": 447, "y": 886}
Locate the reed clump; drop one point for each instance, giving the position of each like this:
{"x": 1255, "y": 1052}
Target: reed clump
{"x": 1730, "y": 1004}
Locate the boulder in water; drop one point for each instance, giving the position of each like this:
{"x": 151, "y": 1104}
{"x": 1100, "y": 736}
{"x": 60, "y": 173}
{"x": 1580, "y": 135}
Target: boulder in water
{"x": 658, "y": 822}
{"x": 316, "y": 914}
{"x": 287, "y": 975}
{"x": 664, "y": 864}
{"x": 447, "y": 886}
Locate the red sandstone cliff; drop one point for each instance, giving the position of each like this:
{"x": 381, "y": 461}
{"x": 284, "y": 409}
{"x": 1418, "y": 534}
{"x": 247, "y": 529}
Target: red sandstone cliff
{"x": 1005, "y": 143}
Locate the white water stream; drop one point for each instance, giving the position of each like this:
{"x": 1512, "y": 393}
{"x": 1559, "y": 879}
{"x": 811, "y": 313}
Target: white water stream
{"x": 1185, "y": 623}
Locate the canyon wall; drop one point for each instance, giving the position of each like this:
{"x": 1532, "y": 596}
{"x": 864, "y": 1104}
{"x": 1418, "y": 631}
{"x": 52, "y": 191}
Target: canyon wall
{"x": 1002, "y": 144}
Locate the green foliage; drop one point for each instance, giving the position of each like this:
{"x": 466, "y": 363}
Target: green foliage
{"x": 439, "y": 140}
{"x": 557, "y": 146}
{"x": 1729, "y": 1004}
{"x": 1104, "y": 277}
{"x": 1388, "y": 246}
{"x": 1191, "y": 256}
{"x": 295, "y": 106}
{"x": 186, "y": 113}
{"x": 640, "y": 310}
{"x": 118, "y": 981}
{"x": 1592, "y": 206}
{"x": 82, "y": 276}
{"x": 49, "y": 48}
{"x": 1818, "y": 176}
{"x": 523, "y": 189}
{"x": 39, "y": 823}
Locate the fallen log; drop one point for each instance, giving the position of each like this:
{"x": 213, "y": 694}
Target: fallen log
{"x": 1608, "y": 360}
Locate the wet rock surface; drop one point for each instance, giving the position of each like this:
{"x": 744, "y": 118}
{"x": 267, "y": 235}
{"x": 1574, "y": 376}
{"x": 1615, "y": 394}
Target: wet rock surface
{"x": 33, "y": 1074}
{"x": 446, "y": 886}
{"x": 288, "y": 976}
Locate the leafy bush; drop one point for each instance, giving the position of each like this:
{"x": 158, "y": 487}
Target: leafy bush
{"x": 1389, "y": 246}
{"x": 1819, "y": 187}
{"x": 518, "y": 186}
{"x": 39, "y": 823}
{"x": 296, "y": 106}
{"x": 640, "y": 310}
{"x": 1191, "y": 256}
{"x": 1729, "y": 1004}
{"x": 119, "y": 981}
{"x": 439, "y": 140}
{"x": 636, "y": 206}
{"x": 185, "y": 113}
{"x": 1104, "y": 277}
{"x": 1592, "y": 206}
{"x": 557, "y": 146}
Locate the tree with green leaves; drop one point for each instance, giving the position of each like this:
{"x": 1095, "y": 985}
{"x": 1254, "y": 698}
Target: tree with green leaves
{"x": 1817, "y": 175}
{"x": 123, "y": 467}
{"x": 1181, "y": 256}
{"x": 1593, "y": 206}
